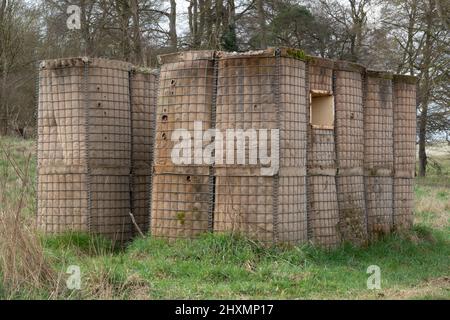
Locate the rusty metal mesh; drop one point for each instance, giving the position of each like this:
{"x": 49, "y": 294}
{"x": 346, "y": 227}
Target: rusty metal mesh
{"x": 323, "y": 205}
{"x": 143, "y": 109}
{"x": 180, "y": 205}
{"x": 378, "y": 152}
{"x": 95, "y": 148}
{"x": 403, "y": 202}
{"x": 263, "y": 91}
{"x": 84, "y": 146}
{"x": 323, "y": 209}
{"x": 404, "y": 149}
{"x": 349, "y": 135}
{"x": 180, "y": 193}
{"x": 321, "y": 74}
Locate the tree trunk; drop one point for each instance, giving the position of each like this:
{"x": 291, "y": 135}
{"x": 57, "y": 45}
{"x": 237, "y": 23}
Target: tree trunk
{"x": 3, "y": 66}
{"x": 173, "y": 25}
{"x": 137, "y": 39}
{"x": 3, "y": 102}
{"x": 262, "y": 24}
{"x": 123, "y": 13}
{"x": 423, "y": 139}
{"x": 425, "y": 90}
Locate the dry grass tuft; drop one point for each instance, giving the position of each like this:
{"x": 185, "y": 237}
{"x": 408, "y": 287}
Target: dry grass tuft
{"x": 22, "y": 260}
{"x": 106, "y": 283}
{"x": 23, "y": 266}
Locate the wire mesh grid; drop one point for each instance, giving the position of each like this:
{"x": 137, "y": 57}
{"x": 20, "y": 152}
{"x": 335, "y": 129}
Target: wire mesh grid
{"x": 212, "y": 172}
{"x": 181, "y": 192}
{"x": 141, "y": 180}
{"x": 403, "y": 203}
{"x": 323, "y": 202}
{"x": 180, "y": 205}
{"x": 244, "y": 205}
{"x": 186, "y": 89}
{"x": 61, "y": 134}
{"x": 84, "y": 146}
{"x": 352, "y": 216}
{"x": 143, "y": 112}
{"x": 263, "y": 91}
{"x": 321, "y": 74}
{"x": 349, "y": 137}
{"x": 246, "y": 100}
{"x": 349, "y": 121}
{"x": 62, "y": 191}
{"x": 37, "y": 85}
{"x": 293, "y": 102}
{"x": 404, "y": 149}
{"x": 245, "y": 96}
{"x": 378, "y": 152}
{"x": 378, "y": 122}
{"x": 86, "y": 149}
{"x": 292, "y": 212}
{"x": 379, "y": 202}
{"x": 404, "y": 125}
{"x": 62, "y": 201}
{"x": 308, "y": 84}
{"x": 110, "y": 203}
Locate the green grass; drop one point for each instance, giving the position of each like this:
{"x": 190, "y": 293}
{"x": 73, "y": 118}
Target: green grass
{"x": 414, "y": 265}
{"x": 220, "y": 266}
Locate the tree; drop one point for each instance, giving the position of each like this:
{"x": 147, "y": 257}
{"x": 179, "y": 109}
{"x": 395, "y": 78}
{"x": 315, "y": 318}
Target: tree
{"x": 421, "y": 34}
{"x": 17, "y": 42}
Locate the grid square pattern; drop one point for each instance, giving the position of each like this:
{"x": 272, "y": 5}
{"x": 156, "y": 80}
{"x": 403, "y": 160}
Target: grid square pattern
{"x": 262, "y": 91}
{"x": 143, "y": 110}
{"x": 245, "y": 98}
{"x": 321, "y": 74}
{"x": 292, "y": 209}
{"x": 84, "y": 146}
{"x": 404, "y": 126}
{"x": 61, "y": 117}
{"x": 324, "y": 211}
{"x": 349, "y": 133}
{"x": 180, "y": 205}
{"x": 181, "y": 193}
{"x": 109, "y": 116}
{"x": 141, "y": 184}
{"x": 63, "y": 202}
{"x": 404, "y": 150}
{"x": 349, "y": 122}
{"x": 100, "y": 131}
{"x": 186, "y": 91}
{"x": 323, "y": 203}
{"x": 244, "y": 205}
{"x": 293, "y": 96}
{"x": 143, "y": 116}
{"x": 378, "y": 123}
{"x": 379, "y": 204}
{"x": 321, "y": 153}
{"x": 110, "y": 204}
{"x": 378, "y": 152}
{"x": 403, "y": 203}
{"x": 352, "y": 216}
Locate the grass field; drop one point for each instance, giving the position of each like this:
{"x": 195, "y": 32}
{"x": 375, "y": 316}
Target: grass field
{"x": 414, "y": 265}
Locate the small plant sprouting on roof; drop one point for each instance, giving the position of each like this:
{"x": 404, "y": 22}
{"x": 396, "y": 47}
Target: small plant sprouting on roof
{"x": 297, "y": 54}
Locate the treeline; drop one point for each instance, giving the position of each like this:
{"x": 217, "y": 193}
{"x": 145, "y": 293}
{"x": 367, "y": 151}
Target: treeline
{"x": 404, "y": 36}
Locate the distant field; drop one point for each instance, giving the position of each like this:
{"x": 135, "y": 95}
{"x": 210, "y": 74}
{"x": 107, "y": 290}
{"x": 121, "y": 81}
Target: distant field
{"x": 414, "y": 265}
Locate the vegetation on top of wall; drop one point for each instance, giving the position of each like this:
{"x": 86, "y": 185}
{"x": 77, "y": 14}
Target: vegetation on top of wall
{"x": 297, "y": 54}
